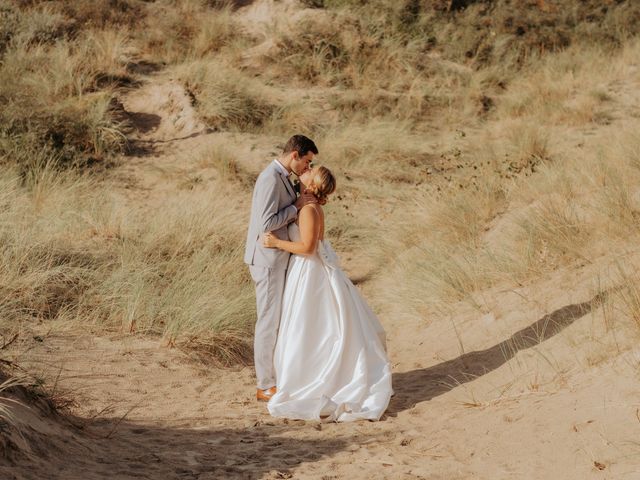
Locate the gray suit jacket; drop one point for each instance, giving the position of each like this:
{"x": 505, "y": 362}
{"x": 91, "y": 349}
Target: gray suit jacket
{"x": 272, "y": 209}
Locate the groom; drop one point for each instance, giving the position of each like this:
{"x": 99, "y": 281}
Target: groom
{"x": 274, "y": 205}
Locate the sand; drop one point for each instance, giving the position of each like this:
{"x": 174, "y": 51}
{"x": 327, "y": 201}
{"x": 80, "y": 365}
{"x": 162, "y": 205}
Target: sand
{"x": 141, "y": 410}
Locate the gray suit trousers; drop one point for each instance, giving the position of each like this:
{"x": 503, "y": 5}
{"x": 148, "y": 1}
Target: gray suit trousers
{"x": 269, "y": 290}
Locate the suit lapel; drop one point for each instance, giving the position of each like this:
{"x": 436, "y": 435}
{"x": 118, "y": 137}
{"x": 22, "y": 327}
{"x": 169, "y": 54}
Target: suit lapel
{"x": 285, "y": 180}
{"x": 288, "y": 185}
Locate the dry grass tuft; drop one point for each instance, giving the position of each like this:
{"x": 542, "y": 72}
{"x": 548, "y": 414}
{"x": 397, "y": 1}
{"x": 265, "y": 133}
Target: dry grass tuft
{"x": 224, "y": 96}
{"x": 50, "y": 98}
{"x": 6, "y": 414}
{"x": 629, "y": 295}
{"x": 71, "y": 252}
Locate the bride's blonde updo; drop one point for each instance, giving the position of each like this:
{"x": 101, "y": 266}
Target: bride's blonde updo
{"x": 322, "y": 184}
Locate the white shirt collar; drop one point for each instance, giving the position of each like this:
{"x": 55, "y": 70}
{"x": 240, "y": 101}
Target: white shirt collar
{"x": 280, "y": 167}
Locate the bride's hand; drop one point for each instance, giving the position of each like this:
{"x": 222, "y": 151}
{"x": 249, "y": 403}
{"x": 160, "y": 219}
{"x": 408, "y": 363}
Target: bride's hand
{"x": 269, "y": 240}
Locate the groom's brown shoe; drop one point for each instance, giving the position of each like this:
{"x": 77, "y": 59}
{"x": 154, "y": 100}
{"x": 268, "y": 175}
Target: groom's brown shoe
{"x": 265, "y": 395}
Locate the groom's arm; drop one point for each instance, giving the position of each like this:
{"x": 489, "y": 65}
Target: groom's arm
{"x": 309, "y": 232}
{"x": 271, "y": 217}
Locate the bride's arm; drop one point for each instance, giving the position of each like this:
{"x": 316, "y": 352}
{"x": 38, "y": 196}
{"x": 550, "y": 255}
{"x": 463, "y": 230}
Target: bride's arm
{"x": 308, "y": 220}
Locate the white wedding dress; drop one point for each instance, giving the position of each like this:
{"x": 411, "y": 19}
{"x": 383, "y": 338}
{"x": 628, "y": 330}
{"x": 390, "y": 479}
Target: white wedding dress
{"x": 330, "y": 356}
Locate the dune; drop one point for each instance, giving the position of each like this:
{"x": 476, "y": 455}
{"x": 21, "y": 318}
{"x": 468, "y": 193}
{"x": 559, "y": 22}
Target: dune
{"x": 487, "y": 210}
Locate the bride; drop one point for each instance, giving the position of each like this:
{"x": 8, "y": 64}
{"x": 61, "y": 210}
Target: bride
{"x": 330, "y": 356}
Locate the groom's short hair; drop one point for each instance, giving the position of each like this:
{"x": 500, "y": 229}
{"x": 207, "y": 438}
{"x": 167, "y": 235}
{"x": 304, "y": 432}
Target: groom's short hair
{"x": 300, "y": 144}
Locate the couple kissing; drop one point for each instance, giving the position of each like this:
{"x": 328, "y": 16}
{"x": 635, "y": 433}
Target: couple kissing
{"x": 319, "y": 350}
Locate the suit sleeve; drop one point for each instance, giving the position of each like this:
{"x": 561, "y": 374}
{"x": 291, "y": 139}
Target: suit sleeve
{"x": 270, "y": 217}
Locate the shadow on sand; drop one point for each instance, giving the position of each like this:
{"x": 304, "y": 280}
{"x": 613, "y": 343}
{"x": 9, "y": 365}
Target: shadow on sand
{"x": 118, "y": 450}
{"x": 424, "y": 384}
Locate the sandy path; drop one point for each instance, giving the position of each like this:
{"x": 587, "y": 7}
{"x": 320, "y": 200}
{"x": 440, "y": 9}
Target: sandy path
{"x": 152, "y": 412}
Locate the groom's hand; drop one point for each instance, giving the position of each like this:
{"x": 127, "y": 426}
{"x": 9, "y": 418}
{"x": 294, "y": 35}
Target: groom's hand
{"x": 305, "y": 198}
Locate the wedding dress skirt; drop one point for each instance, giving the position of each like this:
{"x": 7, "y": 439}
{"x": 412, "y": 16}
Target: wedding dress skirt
{"x": 330, "y": 355}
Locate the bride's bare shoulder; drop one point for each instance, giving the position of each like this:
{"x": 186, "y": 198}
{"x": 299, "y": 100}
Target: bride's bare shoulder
{"x": 312, "y": 207}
